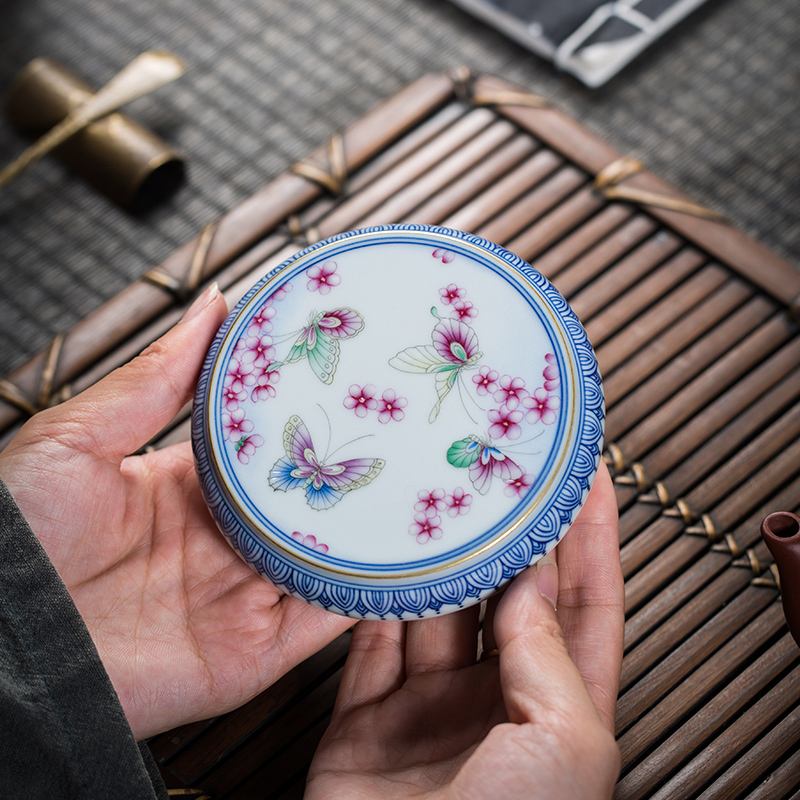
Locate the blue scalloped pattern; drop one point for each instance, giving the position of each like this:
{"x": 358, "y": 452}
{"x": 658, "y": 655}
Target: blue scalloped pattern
{"x": 435, "y": 596}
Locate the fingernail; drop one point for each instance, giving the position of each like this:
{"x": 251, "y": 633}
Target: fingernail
{"x": 547, "y": 579}
{"x": 201, "y": 302}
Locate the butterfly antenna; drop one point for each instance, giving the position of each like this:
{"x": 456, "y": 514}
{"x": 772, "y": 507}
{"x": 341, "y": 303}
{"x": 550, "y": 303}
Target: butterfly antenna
{"x": 284, "y": 337}
{"x": 330, "y": 431}
{"x": 461, "y": 392}
{"x": 350, "y": 441}
{"x": 513, "y": 447}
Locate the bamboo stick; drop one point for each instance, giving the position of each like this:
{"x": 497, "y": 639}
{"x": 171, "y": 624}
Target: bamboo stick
{"x": 752, "y": 474}
{"x": 682, "y": 317}
{"x": 782, "y": 782}
{"x": 676, "y": 607}
{"x": 641, "y": 719}
{"x": 621, "y": 242}
{"x": 751, "y": 401}
{"x": 648, "y": 568}
{"x": 686, "y": 657}
{"x": 533, "y": 205}
{"x": 626, "y": 273}
{"x": 727, "y": 711}
{"x": 699, "y": 455}
{"x": 621, "y": 311}
{"x": 763, "y": 754}
{"x": 578, "y": 209}
{"x": 347, "y": 213}
{"x": 583, "y": 233}
{"x": 738, "y": 734}
{"x": 430, "y": 182}
{"x": 475, "y": 182}
{"x": 648, "y": 415}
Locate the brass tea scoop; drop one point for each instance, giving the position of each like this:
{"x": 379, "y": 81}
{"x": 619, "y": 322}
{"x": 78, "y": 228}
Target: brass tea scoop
{"x": 144, "y": 74}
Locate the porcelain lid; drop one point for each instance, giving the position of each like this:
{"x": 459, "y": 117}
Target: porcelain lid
{"x": 396, "y": 410}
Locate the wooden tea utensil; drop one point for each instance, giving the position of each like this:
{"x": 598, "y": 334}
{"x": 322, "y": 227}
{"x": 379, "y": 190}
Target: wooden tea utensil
{"x": 781, "y": 533}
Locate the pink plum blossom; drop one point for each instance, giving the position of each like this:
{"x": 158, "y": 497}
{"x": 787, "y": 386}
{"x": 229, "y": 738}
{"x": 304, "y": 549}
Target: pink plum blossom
{"x": 280, "y": 293}
{"x": 231, "y": 398}
{"x": 516, "y": 487}
{"x": 430, "y": 502}
{"x": 510, "y": 392}
{"x": 262, "y": 321}
{"x": 464, "y": 310}
{"x": 505, "y": 422}
{"x": 425, "y": 528}
{"x": 542, "y": 406}
{"x": 360, "y": 401}
{"x": 451, "y": 293}
{"x": 550, "y": 373}
{"x": 258, "y": 351}
{"x": 246, "y": 447}
{"x": 445, "y": 256}
{"x": 390, "y": 407}
{"x": 309, "y": 541}
{"x": 485, "y": 381}
{"x": 265, "y": 383}
{"x": 239, "y": 375}
{"x": 235, "y": 424}
{"x": 458, "y": 503}
{"x": 322, "y": 277}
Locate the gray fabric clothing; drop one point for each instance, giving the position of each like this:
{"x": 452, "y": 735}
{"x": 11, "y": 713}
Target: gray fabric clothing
{"x": 63, "y": 733}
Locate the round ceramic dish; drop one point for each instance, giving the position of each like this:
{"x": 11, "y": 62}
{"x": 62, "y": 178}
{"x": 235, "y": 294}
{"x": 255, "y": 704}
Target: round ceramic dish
{"x": 396, "y": 421}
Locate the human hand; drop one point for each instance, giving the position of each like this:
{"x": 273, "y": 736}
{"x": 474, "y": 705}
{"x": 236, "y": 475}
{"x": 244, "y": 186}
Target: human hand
{"x": 185, "y": 629}
{"x": 417, "y": 716}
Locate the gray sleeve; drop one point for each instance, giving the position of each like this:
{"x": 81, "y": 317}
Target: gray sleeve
{"x": 63, "y": 733}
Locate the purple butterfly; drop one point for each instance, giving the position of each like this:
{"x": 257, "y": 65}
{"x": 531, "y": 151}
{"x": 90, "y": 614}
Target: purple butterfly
{"x": 325, "y": 484}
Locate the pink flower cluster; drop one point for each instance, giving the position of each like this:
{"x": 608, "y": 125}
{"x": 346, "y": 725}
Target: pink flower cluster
{"x": 361, "y": 400}
{"x": 248, "y": 376}
{"x": 427, "y": 521}
{"x": 453, "y": 295}
{"x": 510, "y": 393}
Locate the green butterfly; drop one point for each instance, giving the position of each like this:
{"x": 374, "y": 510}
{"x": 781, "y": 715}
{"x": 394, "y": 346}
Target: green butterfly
{"x": 319, "y": 342}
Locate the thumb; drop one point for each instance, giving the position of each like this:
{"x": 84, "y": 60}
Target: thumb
{"x": 536, "y": 668}
{"x": 123, "y": 411}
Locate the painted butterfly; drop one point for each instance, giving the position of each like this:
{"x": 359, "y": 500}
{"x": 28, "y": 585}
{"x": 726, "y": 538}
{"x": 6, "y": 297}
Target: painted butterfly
{"x": 319, "y": 342}
{"x": 483, "y": 461}
{"x": 454, "y": 348}
{"x": 324, "y": 484}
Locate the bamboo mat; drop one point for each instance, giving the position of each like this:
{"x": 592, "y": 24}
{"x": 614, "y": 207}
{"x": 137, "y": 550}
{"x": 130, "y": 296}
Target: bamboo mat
{"x": 695, "y": 329}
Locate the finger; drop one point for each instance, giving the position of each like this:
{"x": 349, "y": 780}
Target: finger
{"x": 442, "y": 643}
{"x": 488, "y": 638}
{"x": 126, "y": 409}
{"x": 536, "y": 670}
{"x": 303, "y": 630}
{"x": 375, "y": 666}
{"x": 591, "y": 599}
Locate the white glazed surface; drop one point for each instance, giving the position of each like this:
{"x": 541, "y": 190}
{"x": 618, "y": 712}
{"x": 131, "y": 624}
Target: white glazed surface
{"x": 396, "y": 421}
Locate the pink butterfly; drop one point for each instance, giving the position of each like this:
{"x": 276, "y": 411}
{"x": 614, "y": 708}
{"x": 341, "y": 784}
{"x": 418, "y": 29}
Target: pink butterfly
{"x": 483, "y": 460}
{"x": 324, "y": 484}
